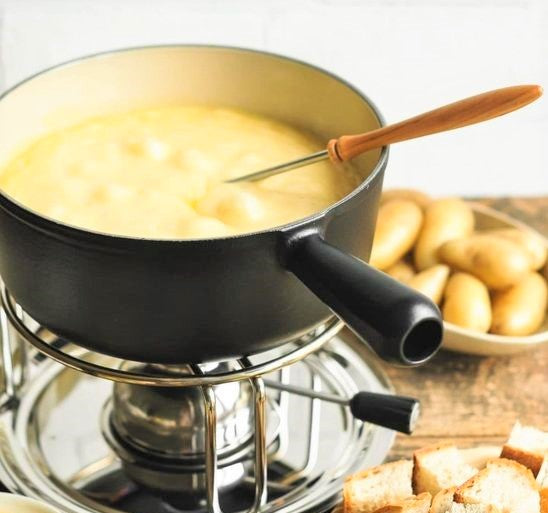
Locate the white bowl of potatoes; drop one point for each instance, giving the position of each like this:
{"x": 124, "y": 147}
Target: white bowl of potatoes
{"x": 486, "y": 271}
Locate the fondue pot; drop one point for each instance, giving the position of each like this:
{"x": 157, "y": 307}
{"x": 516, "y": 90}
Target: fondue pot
{"x": 191, "y": 301}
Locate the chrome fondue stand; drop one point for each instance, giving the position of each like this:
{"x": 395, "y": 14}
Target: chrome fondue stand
{"x": 202, "y": 437}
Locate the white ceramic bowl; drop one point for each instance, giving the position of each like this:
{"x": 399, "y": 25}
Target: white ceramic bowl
{"x": 10, "y": 503}
{"x": 467, "y": 341}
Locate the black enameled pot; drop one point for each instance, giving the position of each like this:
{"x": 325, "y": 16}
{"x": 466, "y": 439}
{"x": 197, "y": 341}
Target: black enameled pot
{"x": 174, "y": 301}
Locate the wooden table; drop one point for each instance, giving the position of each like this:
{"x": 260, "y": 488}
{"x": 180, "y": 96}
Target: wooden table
{"x": 475, "y": 400}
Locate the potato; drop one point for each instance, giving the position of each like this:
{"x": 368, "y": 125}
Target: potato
{"x": 520, "y": 310}
{"x": 418, "y": 197}
{"x": 497, "y": 262}
{"x": 467, "y": 303}
{"x": 530, "y": 241}
{"x": 398, "y": 225}
{"x": 431, "y": 282}
{"x": 401, "y": 271}
{"x": 444, "y": 220}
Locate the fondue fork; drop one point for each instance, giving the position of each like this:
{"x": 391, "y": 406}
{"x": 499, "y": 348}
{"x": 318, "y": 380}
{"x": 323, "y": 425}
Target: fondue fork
{"x": 391, "y": 411}
{"x": 469, "y": 111}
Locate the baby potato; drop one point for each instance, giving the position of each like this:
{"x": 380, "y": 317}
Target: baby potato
{"x": 497, "y": 262}
{"x": 401, "y": 271}
{"x": 467, "y": 303}
{"x": 444, "y": 220}
{"x": 418, "y": 197}
{"x": 398, "y": 224}
{"x": 431, "y": 282}
{"x": 520, "y": 310}
{"x": 532, "y": 243}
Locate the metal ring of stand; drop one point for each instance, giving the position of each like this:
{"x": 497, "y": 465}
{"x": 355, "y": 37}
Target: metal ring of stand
{"x": 249, "y": 371}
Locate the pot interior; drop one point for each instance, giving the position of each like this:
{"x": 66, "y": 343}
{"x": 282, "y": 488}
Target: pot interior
{"x": 265, "y": 84}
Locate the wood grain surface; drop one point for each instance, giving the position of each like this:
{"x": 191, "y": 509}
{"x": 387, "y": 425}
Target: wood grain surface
{"x": 475, "y": 400}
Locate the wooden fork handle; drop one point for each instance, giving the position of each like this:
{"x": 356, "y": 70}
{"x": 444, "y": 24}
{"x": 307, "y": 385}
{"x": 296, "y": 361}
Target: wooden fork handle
{"x": 455, "y": 115}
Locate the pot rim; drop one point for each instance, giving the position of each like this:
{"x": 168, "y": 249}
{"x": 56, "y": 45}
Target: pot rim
{"x": 58, "y": 228}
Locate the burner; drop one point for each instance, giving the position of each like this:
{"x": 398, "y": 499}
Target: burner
{"x": 167, "y": 422}
{"x": 158, "y": 434}
{"x": 219, "y": 438}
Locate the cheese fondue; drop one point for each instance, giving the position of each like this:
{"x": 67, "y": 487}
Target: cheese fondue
{"x": 158, "y": 173}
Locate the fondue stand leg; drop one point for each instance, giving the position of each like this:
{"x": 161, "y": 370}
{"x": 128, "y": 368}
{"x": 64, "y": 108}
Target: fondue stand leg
{"x": 15, "y": 373}
{"x": 7, "y": 361}
{"x": 211, "y": 449}
{"x": 283, "y": 404}
{"x": 261, "y": 461}
{"x": 313, "y": 441}
{"x": 210, "y": 406}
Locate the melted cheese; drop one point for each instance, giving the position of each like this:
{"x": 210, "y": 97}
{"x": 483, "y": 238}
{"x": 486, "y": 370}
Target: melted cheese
{"x": 159, "y": 173}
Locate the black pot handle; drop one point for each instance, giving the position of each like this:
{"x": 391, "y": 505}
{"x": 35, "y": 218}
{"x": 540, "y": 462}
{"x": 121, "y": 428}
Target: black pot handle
{"x": 401, "y": 325}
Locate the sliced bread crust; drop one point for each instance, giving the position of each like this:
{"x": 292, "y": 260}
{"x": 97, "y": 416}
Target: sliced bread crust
{"x": 373, "y": 488}
{"x": 542, "y": 480}
{"x": 526, "y": 445}
{"x": 504, "y": 484}
{"x": 438, "y": 467}
{"x": 542, "y": 476}
{"x": 544, "y": 500}
{"x": 441, "y": 503}
{"x": 415, "y": 504}
{"x": 472, "y": 508}
{"x": 528, "y": 459}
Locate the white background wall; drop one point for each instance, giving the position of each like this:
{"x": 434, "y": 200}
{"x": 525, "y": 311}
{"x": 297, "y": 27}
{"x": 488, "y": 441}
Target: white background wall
{"x": 407, "y": 56}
